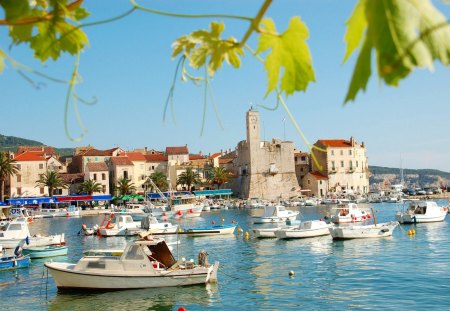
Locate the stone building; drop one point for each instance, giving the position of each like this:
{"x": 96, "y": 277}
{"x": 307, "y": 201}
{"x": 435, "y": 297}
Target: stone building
{"x": 263, "y": 169}
{"x": 345, "y": 164}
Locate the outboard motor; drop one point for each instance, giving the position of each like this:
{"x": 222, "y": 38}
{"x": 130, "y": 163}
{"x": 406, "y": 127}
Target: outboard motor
{"x": 203, "y": 259}
{"x": 145, "y": 222}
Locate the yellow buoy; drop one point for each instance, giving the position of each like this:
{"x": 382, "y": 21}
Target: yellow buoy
{"x": 246, "y": 235}
{"x": 409, "y": 232}
{"x": 239, "y": 230}
{"x": 179, "y": 230}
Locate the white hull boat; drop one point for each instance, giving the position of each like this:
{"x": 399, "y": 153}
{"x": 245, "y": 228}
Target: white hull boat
{"x": 306, "y": 229}
{"x": 265, "y": 233}
{"x": 143, "y": 264}
{"x": 422, "y": 212}
{"x": 363, "y": 231}
{"x": 213, "y": 230}
{"x": 17, "y": 233}
{"x": 123, "y": 225}
{"x": 275, "y": 214}
{"x": 349, "y": 213}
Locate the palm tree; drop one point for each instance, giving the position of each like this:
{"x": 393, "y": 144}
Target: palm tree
{"x": 7, "y": 168}
{"x": 125, "y": 186}
{"x": 189, "y": 178}
{"x": 219, "y": 176}
{"x": 52, "y": 180}
{"x": 89, "y": 186}
{"x": 160, "y": 180}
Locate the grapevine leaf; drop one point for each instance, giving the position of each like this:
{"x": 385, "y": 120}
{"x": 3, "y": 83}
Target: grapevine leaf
{"x": 405, "y": 34}
{"x": 207, "y": 46}
{"x": 356, "y": 25}
{"x": 290, "y": 51}
{"x": 15, "y": 9}
{"x": 361, "y": 73}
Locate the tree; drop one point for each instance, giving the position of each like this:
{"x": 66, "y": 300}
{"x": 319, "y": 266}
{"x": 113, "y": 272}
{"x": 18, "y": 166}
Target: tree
{"x": 160, "y": 180}
{"x": 89, "y": 186}
{"x": 7, "y": 168}
{"x": 125, "y": 186}
{"x": 189, "y": 178}
{"x": 219, "y": 176}
{"x": 52, "y": 180}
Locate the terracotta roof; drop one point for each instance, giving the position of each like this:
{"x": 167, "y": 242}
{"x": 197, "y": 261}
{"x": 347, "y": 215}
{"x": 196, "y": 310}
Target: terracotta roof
{"x": 215, "y": 155}
{"x": 121, "y": 161}
{"x": 97, "y": 166}
{"x": 225, "y": 161}
{"x": 177, "y": 150}
{"x": 30, "y": 156}
{"x": 96, "y": 152}
{"x": 196, "y": 157}
{"x": 299, "y": 154}
{"x": 46, "y": 149}
{"x": 75, "y": 178}
{"x": 135, "y": 156}
{"x": 157, "y": 157}
{"x": 336, "y": 143}
{"x": 319, "y": 176}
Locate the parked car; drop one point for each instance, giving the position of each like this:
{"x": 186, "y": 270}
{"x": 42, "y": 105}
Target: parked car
{"x": 421, "y": 192}
{"x": 411, "y": 192}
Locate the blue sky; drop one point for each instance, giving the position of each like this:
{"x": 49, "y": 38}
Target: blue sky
{"x": 128, "y": 68}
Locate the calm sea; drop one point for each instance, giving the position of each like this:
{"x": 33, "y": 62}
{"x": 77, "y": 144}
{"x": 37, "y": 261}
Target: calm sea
{"x": 397, "y": 273}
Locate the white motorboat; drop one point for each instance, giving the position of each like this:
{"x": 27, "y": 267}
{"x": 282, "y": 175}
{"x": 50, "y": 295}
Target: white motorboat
{"x": 363, "y": 231}
{"x": 306, "y": 229}
{"x": 123, "y": 225}
{"x": 17, "y": 233}
{"x": 264, "y": 232}
{"x": 211, "y": 230}
{"x": 275, "y": 214}
{"x": 143, "y": 264}
{"x": 422, "y": 211}
{"x": 349, "y": 213}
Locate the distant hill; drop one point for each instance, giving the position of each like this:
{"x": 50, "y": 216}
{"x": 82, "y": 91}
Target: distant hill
{"x": 11, "y": 143}
{"x": 412, "y": 178}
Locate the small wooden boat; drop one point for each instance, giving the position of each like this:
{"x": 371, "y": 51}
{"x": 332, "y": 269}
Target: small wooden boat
{"x": 46, "y": 251}
{"x": 306, "y": 229}
{"x": 363, "y": 231}
{"x": 213, "y": 230}
{"x": 143, "y": 264}
{"x": 14, "y": 262}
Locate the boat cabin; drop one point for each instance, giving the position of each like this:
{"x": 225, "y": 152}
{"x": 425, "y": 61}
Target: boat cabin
{"x": 424, "y": 207}
{"x": 16, "y": 229}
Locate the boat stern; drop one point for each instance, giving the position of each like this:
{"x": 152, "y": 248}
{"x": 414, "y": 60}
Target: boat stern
{"x": 212, "y": 273}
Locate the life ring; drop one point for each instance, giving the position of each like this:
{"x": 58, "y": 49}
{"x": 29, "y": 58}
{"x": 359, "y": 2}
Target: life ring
{"x": 18, "y": 251}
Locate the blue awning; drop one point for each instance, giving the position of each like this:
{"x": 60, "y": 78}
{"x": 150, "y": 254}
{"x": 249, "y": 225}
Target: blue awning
{"x": 30, "y": 201}
{"x": 213, "y": 193}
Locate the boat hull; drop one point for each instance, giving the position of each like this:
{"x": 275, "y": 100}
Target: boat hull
{"x": 302, "y": 233}
{"x": 218, "y": 230}
{"x": 43, "y": 252}
{"x": 363, "y": 232}
{"x": 410, "y": 219}
{"x": 66, "y": 278}
{"x": 269, "y": 220}
{"x": 7, "y": 263}
{"x": 34, "y": 241}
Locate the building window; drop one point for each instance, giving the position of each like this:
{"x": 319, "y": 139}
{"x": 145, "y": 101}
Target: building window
{"x": 96, "y": 159}
{"x": 301, "y": 169}
{"x": 125, "y": 174}
{"x": 41, "y": 166}
{"x": 103, "y": 176}
{"x": 309, "y": 181}
{"x": 351, "y": 164}
{"x": 104, "y": 188}
{"x": 332, "y": 152}
{"x": 333, "y": 166}
{"x": 88, "y": 160}
{"x": 41, "y": 190}
{"x": 342, "y": 163}
{"x": 19, "y": 191}
{"x": 350, "y": 152}
{"x": 19, "y": 178}
{"x": 153, "y": 167}
{"x": 95, "y": 176}
{"x": 356, "y": 164}
{"x": 303, "y": 158}
{"x": 342, "y": 152}
{"x": 320, "y": 182}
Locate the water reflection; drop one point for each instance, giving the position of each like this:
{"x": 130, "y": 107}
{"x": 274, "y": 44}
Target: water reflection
{"x": 142, "y": 299}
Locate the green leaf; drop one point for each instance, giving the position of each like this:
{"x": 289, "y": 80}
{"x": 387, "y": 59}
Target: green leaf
{"x": 288, "y": 51}
{"x": 21, "y": 33}
{"x": 406, "y": 34}
{"x": 356, "y": 25}
{"x": 207, "y": 46}
{"x": 361, "y": 74}
{"x": 15, "y": 9}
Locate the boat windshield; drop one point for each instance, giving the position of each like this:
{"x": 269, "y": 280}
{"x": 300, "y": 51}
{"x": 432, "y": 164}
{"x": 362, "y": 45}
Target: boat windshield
{"x": 15, "y": 227}
{"x": 134, "y": 253}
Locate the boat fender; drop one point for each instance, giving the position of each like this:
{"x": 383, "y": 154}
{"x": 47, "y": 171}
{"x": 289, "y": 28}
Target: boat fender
{"x": 18, "y": 250}
{"x": 83, "y": 226}
{"x": 27, "y": 240}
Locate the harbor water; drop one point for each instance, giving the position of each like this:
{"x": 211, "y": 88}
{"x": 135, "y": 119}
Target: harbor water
{"x": 402, "y": 272}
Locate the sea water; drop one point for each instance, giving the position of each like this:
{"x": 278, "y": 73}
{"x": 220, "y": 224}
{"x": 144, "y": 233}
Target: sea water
{"x": 402, "y": 272}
